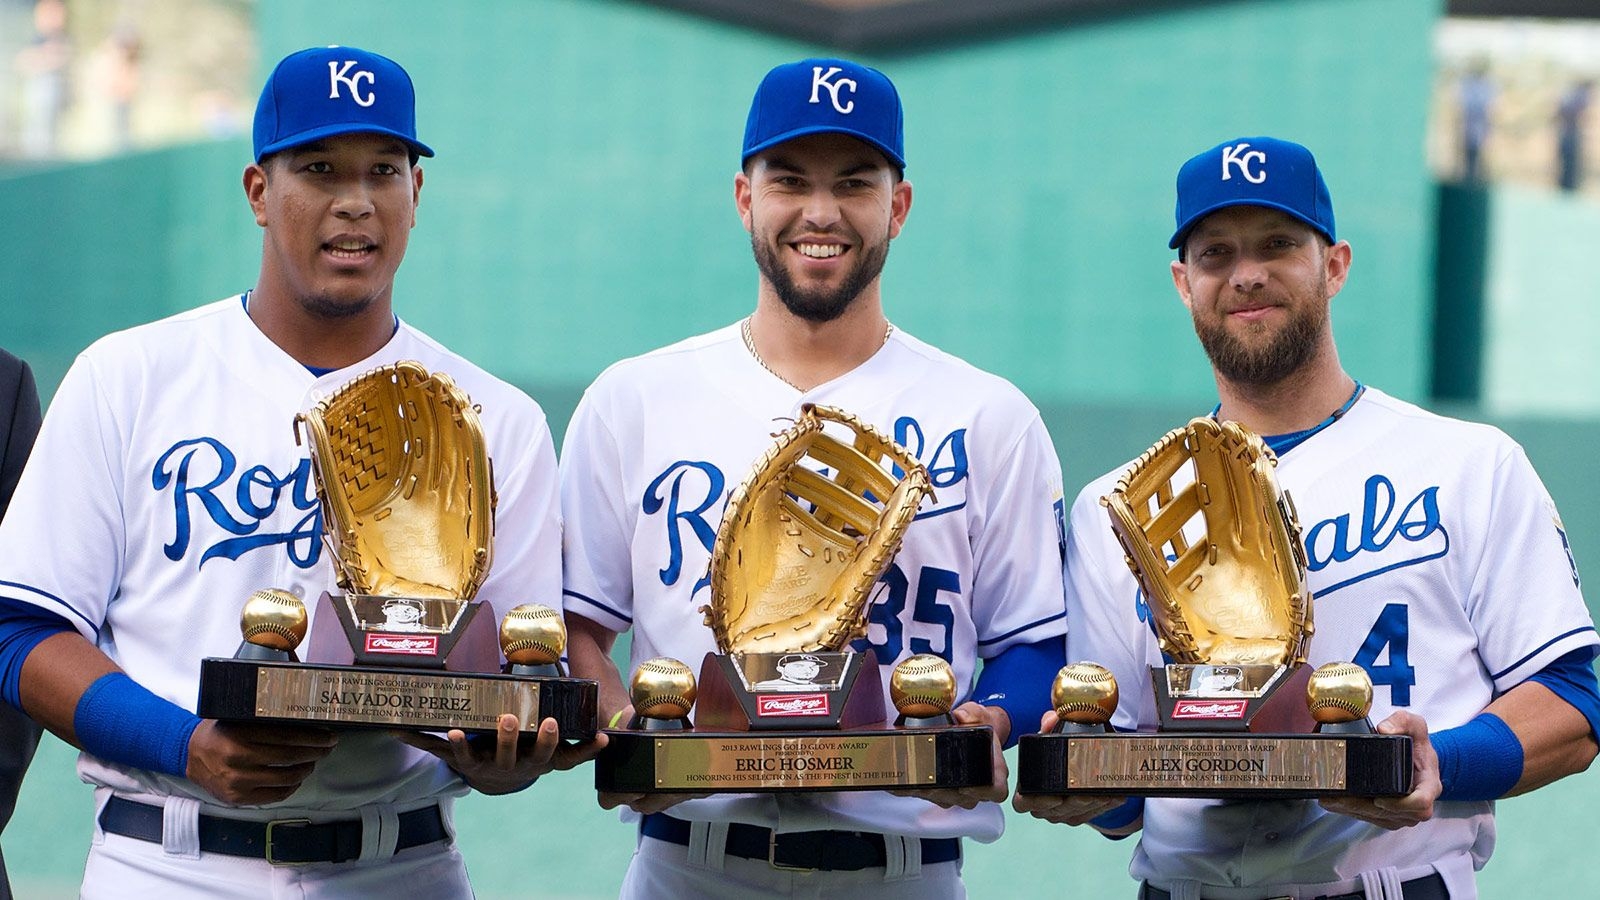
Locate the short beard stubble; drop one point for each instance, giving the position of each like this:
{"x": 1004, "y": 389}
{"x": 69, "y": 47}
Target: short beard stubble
{"x": 819, "y": 305}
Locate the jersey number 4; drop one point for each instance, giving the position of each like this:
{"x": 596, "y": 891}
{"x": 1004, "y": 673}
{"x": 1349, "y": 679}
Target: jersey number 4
{"x": 1392, "y": 633}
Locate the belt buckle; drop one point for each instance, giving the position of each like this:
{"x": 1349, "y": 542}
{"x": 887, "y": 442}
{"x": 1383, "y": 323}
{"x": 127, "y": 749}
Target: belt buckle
{"x": 772, "y": 855}
{"x": 271, "y": 860}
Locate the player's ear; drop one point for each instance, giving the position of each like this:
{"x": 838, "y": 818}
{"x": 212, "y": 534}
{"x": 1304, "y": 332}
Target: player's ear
{"x": 255, "y": 191}
{"x": 899, "y": 207}
{"x": 1336, "y": 265}
{"x": 741, "y": 198}
{"x": 416, "y": 192}
{"x": 1180, "y": 280}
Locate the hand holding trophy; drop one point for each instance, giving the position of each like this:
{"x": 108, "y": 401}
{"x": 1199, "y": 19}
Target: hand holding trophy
{"x": 1221, "y": 564}
{"x": 784, "y": 703}
{"x": 408, "y": 502}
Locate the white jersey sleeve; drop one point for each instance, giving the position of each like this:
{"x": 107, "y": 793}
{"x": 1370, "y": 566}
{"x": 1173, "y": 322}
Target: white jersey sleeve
{"x": 1525, "y": 556}
{"x": 66, "y": 513}
{"x": 1016, "y": 599}
{"x": 1107, "y": 620}
{"x": 597, "y": 559}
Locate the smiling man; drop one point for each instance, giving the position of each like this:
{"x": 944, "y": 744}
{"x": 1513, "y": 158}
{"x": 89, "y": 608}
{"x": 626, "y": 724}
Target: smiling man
{"x": 659, "y": 441}
{"x": 169, "y": 487}
{"x": 1437, "y": 563}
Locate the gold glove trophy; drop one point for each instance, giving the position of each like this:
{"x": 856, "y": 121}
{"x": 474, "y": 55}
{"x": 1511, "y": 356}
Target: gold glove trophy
{"x": 1241, "y": 714}
{"x": 408, "y": 501}
{"x": 784, "y": 704}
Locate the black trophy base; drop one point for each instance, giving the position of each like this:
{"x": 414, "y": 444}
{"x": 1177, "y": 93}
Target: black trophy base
{"x": 1237, "y": 766}
{"x": 249, "y": 690}
{"x": 710, "y": 762}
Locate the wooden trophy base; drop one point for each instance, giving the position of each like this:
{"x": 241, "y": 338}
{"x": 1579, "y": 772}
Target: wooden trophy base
{"x": 751, "y": 737}
{"x": 451, "y": 681}
{"x": 1259, "y": 744}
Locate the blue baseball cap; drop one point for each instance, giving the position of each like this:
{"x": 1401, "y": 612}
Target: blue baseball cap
{"x": 327, "y": 91}
{"x": 1253, "y": 171}
{"x": 826, "y": 96}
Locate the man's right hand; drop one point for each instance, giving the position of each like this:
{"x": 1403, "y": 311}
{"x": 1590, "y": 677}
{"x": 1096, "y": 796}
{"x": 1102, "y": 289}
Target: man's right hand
{"x": 251, "y": 765}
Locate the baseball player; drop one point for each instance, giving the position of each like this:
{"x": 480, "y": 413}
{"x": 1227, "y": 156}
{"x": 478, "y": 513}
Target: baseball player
{"x": 1437, "y": 563}
{"x": 659, "y": 441}
{"x": 174, "y": 488}
{"x": 19, "y": 423}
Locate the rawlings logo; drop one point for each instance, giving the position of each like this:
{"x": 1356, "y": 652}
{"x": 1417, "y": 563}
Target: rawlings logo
{"x": 1209, "y": 709}
{"x": 792, "y": 705}
{"x": 402, "y": 646}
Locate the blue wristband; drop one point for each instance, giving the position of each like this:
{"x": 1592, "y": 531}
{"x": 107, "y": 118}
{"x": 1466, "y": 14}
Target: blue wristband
{"x": 1120, "y": 817}
{"x": 1481, "y": 760}
{"x": 120, "y": 721}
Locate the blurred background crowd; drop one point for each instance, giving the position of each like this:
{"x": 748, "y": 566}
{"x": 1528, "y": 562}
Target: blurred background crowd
{"x": 1514, "y": 98}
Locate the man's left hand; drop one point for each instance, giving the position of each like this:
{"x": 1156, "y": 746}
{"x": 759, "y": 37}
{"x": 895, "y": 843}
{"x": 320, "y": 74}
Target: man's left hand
{"x": 970, "y": 713}
{"x": 1394, "y": 813}
{"x": 512, "y": 761}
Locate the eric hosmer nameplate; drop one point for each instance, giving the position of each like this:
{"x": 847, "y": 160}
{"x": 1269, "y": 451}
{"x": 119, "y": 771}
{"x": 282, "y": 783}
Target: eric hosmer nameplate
{"x": 745, "y": 761}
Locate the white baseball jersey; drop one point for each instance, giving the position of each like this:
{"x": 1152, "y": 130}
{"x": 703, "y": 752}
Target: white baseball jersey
{"x": 1415, "y": 525}
{"x": 167, "y": 486}
{"x": 659, "y": 442}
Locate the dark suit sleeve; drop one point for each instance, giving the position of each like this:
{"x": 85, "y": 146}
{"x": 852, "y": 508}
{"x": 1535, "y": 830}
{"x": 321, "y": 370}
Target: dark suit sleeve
{"x": 19, "y": 425}
{"x": 19, "y": 408}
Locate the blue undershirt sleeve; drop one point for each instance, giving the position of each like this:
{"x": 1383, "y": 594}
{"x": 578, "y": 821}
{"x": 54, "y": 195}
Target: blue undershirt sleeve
{"x": 22, "y": 627}
{"x": 1018, "y": 681}
{"x": 1571, "y": 677}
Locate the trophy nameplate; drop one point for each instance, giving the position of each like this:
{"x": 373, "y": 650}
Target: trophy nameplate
{"x": 401, "y": 472}
{"x": 1241, "y": 714}
{"x": 783, "y": 704}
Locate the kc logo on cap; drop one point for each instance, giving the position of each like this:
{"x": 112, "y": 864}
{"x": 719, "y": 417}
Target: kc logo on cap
{"x": 338, "y": 74}
{"x": 327, "y": 91}
{"x": 1253, "y": 171}
{"x": 826, "y": 96}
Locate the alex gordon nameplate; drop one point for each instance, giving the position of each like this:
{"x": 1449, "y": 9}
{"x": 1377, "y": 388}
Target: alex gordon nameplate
{"x": 1235, "y": 765}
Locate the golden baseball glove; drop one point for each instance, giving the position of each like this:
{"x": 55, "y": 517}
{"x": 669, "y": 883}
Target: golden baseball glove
{"x": 1237, "y": 594}
{"x": 403, "y": 476}
{"x": 798, "y": 551}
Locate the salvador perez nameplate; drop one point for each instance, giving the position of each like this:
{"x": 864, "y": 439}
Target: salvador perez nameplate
{"x": 1256, "y": 766}
{"x": 743, "y": 761}
{"x": 372, "y": 697}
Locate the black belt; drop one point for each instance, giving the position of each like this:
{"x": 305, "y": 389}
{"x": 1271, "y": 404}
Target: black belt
{"x": 281, "y": 841}
{"x": 1430, "y": 887}
{"x": 829, "y": 851}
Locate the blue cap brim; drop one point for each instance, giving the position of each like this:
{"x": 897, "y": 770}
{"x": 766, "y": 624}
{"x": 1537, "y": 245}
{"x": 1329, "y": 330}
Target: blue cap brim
{"x": 327, "y": 131}
{"x": 865, "y": 138}
{"x": 1179, "y": 236}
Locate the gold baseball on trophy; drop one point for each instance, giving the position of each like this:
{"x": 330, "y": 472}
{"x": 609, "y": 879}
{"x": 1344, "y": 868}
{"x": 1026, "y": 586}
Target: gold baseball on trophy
{"x": 1084, "y": 693}
{"x": 273, "y": 618}
{"x": 922, "y": 686}
{"x": 532, "y": 635}
{"x": 1339, "y": 692}
{"x": 662, "y": 688}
